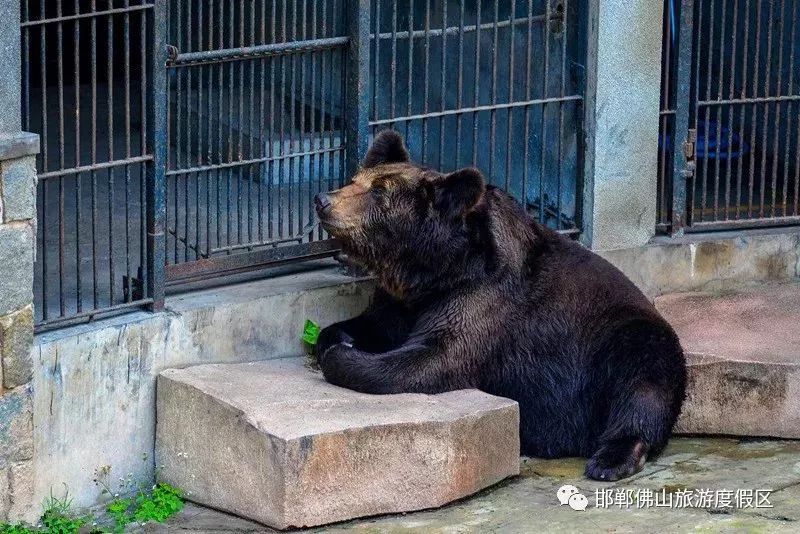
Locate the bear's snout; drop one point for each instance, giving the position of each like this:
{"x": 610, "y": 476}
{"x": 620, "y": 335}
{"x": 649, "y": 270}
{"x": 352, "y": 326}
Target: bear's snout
{"x": 322, "y": 202}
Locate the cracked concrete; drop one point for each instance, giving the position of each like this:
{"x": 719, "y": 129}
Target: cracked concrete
{"x": 528, "y": 503}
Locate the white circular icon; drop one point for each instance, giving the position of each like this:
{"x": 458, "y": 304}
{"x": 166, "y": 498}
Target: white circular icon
{"x": 578, "y": 502}
{"x": 565, "y": 492}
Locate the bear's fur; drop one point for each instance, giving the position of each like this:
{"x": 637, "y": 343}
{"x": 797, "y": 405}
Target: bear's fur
{"x": 473, "y": 293}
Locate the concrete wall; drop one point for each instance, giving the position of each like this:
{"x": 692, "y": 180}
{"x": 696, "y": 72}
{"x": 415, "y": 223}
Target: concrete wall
{"x": 711, "y": 262}
{"x": 621, "y": 203}
{"x": 95, "y": 384}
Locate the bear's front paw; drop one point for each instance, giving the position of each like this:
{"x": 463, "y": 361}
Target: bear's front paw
{"x": 330, "y": 337}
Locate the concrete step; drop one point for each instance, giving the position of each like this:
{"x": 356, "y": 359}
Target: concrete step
{"x": 273, "y": 442}
{"x": 743, "y": 350}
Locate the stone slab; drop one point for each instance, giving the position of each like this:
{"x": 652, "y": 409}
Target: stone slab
{"x": 273, "y": 442}
{"x": 743, "y": 350}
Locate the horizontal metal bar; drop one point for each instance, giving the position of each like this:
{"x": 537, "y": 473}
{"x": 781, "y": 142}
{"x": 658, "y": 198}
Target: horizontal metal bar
{"x": 93, "y": 14}
{"x": 743, "y": 223}
{"x": 667, "y": 112}
{"x": 183, "y": 273}
{"x": 88, "y": 316}
{"x": 94, "y": 167}
{"x": 758, "y": 100}
{"x": 476, "y": 109}
{"x": 246, "y": 162}
{"x": 569, "y": 231}
{"x": 457, "y": 30}
{"x": 295, "y": 239}
{"x": 274, "y": 49}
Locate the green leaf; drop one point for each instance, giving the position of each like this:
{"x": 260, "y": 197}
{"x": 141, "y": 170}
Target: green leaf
{"x": 311, "y": 332}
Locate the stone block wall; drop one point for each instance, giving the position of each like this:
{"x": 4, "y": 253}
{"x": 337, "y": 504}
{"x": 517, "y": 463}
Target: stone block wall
{"x": 17, "y": 255}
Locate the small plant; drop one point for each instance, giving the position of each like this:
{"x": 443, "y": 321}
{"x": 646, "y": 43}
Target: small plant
{"x": 143, "y": 504}
{"x": 57, "y": 518}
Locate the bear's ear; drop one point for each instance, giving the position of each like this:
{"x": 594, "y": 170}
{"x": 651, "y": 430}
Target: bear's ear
{"x": 387, "y": 147}
{"x": 459, "y": 192}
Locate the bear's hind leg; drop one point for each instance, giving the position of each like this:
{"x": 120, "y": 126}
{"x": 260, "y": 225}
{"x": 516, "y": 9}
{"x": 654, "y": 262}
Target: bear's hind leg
{"x": 646, "y": 389}
{"x": 638, "y": 423}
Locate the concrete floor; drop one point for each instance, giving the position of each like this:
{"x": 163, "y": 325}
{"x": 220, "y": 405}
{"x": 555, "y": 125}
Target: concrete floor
{"x": 528, "y": 503}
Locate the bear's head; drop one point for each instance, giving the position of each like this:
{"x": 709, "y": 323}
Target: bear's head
{"x": 406, "y": 223}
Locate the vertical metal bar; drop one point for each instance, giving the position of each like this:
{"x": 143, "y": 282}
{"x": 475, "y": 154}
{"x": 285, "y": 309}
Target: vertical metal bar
{"x": 292, "y": 109}
{"x": 127, "y": 75}
{"x": 250, "y": 134}
{"x": 199, "y": 156}
{"x": 493, "y": 97}
{"x": 61, "y": 161}
{"x": 357, "y": 97}
{"x": 527, "y": 109}
{"x": 111, "y": 170}
{"x": 228, "y": 183}
{"x": 393, "y": 84}
{"x": 753, "y": 112}
{"x": 708, "y": 68}
{"x": 509, "y": 112}
{"x": 717, "y": 154}
{"x": 156, "y": 182}
{"x": 778, "y": 106}
{"x": 460, "y": 90}
{"x": 272, "y": 67}
{"x": 442, "y": 81}
{"x": 731, "y": 85}
{"x": 426, "y": 78}
{"x": 410, "y": 82}
{"x": 261, "y": 169}
{"x": 767, "y": 78}
{"x": 542, "y": 124}
{"x": 312, "y": 183}
{"x": 743, "y": 107}
{"x": 683, "y": 84}
{"x": 795, "y": 15}
{"x": 45, "y": 160}
{"x": 476, "y": 100}
{"x": 146, "y": 60}
{"x": 792, "y": 106}
{"x": 559, "y": 194}
{"x": 240, "y": 125}
{"x": 94, "y": 156}
{"x": 78, "y": 192}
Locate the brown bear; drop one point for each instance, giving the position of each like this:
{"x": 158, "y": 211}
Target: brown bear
{"x": 473, "y": 293}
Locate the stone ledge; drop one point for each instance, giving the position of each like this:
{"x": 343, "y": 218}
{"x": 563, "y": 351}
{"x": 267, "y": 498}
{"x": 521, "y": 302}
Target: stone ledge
{"x": 19, "y": 145}
{"x": 274, "y": 442}
{"x": 743, "y": 351}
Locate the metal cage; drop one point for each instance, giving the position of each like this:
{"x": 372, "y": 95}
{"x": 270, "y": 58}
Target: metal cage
{"x": 729, "y": 153}
{"x": 185, "y": 139}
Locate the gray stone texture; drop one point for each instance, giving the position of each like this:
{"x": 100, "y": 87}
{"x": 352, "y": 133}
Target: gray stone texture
{"x": 16, "y": 425}
{"x": 274, "y": 442}
{"x": 10, "y": 59}
{"x": 626, "y": 123}
{"x": 18, "y": 145}
{"x": 103, "y": 375}
{"x": 714, "y": 262}
{"x": 18, "y": 187}
{"x": 17, "y": 249}
{"x": 16, "y": 342}
{"x": 744, "y": 353}
{"x": 20, "y": 493}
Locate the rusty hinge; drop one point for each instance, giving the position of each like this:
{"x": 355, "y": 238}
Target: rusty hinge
{"x": 689, "y": 153}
